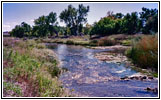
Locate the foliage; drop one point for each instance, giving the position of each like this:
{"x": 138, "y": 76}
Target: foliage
{"x": 150, "y": 19}
{"x": 93, "y": 43}
{"x": 74, "y": 18}
{"x": 30, "y": 66}
{"x": 87, "y": 29}
{"x": 106, "y": 42}
{"x": 46, "y": 25}
{"x": 126, "y": 42}
{"x": 69, "y": 42}
{"x": 12, "y": 89}
{"x": 145, "y": 22}
{"x": 130, "y": 23}
{"x": 144, "y": 53}
{"x": 21, "y": 30}
{"x": 106, "y": 26}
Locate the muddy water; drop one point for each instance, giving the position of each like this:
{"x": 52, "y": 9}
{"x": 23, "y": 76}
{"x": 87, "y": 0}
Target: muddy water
{"x": 87, "y": 76}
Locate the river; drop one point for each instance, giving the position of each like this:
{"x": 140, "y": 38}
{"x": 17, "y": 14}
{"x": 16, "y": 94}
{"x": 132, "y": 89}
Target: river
{"x": 89, "y": 77}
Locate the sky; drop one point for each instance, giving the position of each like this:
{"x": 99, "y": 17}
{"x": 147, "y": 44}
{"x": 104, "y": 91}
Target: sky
{"x": 15, "y": 13}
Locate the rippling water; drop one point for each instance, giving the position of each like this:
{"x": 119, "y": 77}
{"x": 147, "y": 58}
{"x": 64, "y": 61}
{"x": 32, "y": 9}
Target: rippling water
{"x": 88, "y": 76}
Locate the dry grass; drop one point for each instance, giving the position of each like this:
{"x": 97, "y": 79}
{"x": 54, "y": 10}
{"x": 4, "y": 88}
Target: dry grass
{"x": 144, "y": 53}
{"x": 30, "y": 70}
{"x": 106, "y": 42}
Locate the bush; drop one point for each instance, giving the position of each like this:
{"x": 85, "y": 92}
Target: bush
{"x": 144, "y": 53}
{"x": 106, "y": 42}
{"x": 126, "y": 42}
{"x": 69, "y": 42}
{"x": 93, "y": 43}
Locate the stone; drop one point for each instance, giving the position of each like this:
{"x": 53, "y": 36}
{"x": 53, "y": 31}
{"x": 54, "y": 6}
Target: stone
{"x": 150, "y": 77}
{"x": 123, "y": 78}
{"x": 155, "y": 90}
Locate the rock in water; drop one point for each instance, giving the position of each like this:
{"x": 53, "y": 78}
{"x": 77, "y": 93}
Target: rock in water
{"x": 155, "y": 90}
{"x": 123, "y": 78}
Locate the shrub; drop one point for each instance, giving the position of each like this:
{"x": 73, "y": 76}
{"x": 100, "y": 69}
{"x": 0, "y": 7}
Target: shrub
{"x": 106, "y": 42}
{"x": 126, "y": 42}
{"x": 93, "y": 43}
{"x": 69, "y": 42}
{"x": 144, "y": 53}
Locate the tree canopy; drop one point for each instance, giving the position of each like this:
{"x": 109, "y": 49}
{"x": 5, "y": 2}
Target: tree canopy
{"x": 145, "y": 22}
{"x": 74, "y": 18}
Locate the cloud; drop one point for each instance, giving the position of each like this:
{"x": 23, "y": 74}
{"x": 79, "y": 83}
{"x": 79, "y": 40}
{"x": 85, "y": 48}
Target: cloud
{"x": 6, "y": 26}
{"x": 14, "y": 23}
{"x": 32, "y": 20}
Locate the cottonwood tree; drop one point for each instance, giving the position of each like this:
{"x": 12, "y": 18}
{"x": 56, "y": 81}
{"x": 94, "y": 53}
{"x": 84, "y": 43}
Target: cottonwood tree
{"x": 21, "y": 30}
{"x": 149, "y": 19}
{"x": 75, "y": 18}
{"x": 45, "y": 25}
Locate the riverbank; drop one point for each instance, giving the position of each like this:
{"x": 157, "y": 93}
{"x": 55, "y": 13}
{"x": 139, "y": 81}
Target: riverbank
{"x": 30, "y": 70}
{"x": 117, "y": 54}
{"x": 121, "y": 43}
{"x": 85, "y": 40}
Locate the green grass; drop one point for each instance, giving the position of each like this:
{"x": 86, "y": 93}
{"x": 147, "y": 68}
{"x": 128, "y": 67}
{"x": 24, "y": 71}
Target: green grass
{"x": 126, "y": 42}
{"x": 29, "y": 62}
{"x": 12, "y": 89}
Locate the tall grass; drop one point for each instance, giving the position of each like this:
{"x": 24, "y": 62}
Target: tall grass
{"x": 144, "y": 53}
{"x": 33, "y": 68}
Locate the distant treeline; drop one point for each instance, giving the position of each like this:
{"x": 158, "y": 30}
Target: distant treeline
{"x": 145, "y": 22}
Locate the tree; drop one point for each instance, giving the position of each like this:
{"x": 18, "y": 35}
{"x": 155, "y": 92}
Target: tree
{"x": 52, "y": 22}
{"x": 41, "y": 26}
{"x": 149, "y": 18}
{"x": 27, "y": 28}
{"x": 21, "y": 30}
{"x": 82, "y": 13}
{"x": 74, "y": 18}
{"x": 87, "y": 29}
{"x": 130, "y": 23}
{"x": 106, "y": 26}
{"x": 46, "y": 25}
{"x": 118, "y": 16}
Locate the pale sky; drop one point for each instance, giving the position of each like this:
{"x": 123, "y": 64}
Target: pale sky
{"x": 15, "y": 13}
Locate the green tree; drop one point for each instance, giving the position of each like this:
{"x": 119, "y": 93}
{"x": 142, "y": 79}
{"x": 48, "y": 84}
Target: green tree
{"x": 46, "y": 25}
{"x": 41, "y": 26}
{"x": 130, "y": 23}
{"x": 21, "y": 30}
{"x": 74, "y": 18}
{"x": 106, "y": 26}
{"x": 27, "y": 28}
{"x": 118, "y": 15}
{"x": 149, "y": 19}
{"x": 87, "y": 29}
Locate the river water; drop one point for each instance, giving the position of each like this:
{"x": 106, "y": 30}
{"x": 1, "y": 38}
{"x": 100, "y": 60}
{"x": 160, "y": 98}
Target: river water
{"x": 89, "y": 77}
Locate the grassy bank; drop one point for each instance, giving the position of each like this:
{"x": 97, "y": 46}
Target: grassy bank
{"x": 30, "y": 70}
{"x": 119, "y": 39}
{"x": 144, "y": 53}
